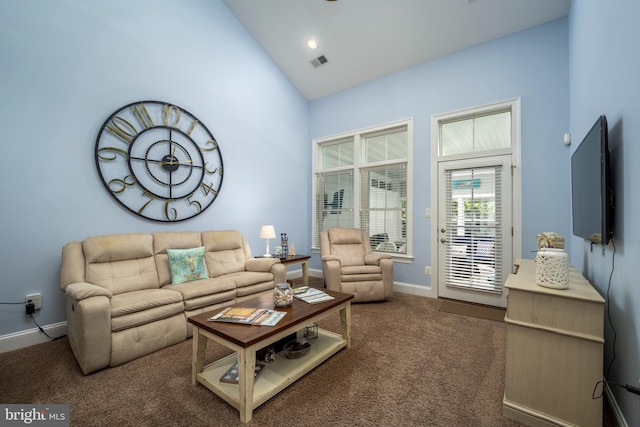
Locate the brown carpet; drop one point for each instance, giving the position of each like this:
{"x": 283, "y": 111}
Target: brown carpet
{"x": 409, "y": 365}
{"x": 474, "y": 310}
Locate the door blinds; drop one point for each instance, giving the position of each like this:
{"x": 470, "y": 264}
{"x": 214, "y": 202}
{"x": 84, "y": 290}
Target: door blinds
{"x": 473, "y": 233}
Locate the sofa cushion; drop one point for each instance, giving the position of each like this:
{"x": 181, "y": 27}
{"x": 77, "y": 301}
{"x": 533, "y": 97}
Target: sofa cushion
{"x": 131, "y": 343}
{"x": 225, "y": 252}
{"x": 124, "y": 276}
{"x": 117, "y": 247}
{"x": 200, "y": 288}
{"x": 349, "y": 254}
{"x": 121, "y": 262}
{"x": 348, "y": 245}
{"x": 175, "y": 240}
{"x": 360, "y": 269}
{"x": 247, "y": 278}
{"x": 360, "y": 273}
{"x": 140, "y": 307}
{"x": 186, "y": 265}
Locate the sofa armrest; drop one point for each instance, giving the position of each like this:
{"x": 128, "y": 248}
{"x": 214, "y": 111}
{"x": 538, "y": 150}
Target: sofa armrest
{"x": 84, "y": 290}
{"x": 331, "y": 272}
{"x": 260, "y": 264}
{"x": 279, "y": 272}
{"x": 374, "y": 259}
{"x": 330, "y": 258}
{"x": 88, "y": 310}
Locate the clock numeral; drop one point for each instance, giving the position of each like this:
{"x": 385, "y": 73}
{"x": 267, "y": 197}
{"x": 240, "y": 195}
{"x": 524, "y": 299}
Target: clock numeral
{"x": 111, "y": 156}
{"x": 212, "y": 142}
{"x": 143, "y": 116}
{"x": 208, "y": 188}
{"x": 194, "y": 202}
{"x": 167, "y": 111}
{"x": 212, "y": 171}
{"x": 127, "y": 134}
{"x": 193, "y": 125}
{"x": 170, "y": 213}
{"x": 151, "y": 199}
{"x": 119, "y": 185}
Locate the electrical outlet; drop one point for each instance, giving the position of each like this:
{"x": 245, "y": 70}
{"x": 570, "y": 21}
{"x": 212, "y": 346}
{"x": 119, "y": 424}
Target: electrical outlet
{"x": 36, "y": 299}
{"x": 427, "y": 269}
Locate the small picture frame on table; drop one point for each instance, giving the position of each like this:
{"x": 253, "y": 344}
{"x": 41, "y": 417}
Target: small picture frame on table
{"x": 277, "y": 250}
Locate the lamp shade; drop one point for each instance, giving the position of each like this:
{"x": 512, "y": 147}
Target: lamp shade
{"x": 267, "y": 232}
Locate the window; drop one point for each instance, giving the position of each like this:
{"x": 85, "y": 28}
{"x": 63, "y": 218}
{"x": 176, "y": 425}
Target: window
{"x": 362, "y": 180}
{"x": 475, "y": 134}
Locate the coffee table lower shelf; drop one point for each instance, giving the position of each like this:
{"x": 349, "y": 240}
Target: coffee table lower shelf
{"x": 276, "y": 376}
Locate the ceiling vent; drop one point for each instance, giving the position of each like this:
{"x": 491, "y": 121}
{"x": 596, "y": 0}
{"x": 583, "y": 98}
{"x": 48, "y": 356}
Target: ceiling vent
{"x": 316, "y": 62}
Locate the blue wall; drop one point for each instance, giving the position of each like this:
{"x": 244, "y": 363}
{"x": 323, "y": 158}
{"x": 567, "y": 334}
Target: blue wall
{"x": 66, "y": 65}
{"x": 604, "y": 72}
{"x": 531, "y": 64}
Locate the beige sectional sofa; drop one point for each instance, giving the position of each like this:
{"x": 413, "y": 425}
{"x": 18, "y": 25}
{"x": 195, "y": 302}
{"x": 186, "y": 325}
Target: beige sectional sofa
{"x": 120, "y": 301}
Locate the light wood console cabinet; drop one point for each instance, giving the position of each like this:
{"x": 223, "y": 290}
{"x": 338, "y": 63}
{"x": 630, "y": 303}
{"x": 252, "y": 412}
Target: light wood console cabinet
{"x": 554, "y": 354}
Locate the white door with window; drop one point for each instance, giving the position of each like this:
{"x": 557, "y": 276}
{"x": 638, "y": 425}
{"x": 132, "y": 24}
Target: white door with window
{"x": 477, "y": 229}
{"x": 474, "y": 230}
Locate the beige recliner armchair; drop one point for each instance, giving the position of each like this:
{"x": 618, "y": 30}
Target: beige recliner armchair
{"x": 348, "y": 265}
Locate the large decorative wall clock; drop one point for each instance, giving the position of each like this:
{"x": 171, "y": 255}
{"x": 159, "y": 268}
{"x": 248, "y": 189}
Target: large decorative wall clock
{"x": 159, "y": 161}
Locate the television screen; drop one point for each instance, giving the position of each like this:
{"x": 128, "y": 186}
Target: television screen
{"x": 592, "y": 203}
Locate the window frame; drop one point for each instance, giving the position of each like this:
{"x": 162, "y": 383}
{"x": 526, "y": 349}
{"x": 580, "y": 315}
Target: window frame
{"x": 359, "y": 137}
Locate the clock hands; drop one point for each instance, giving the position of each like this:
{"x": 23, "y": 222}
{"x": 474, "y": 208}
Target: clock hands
{"x": 171, "y": 162}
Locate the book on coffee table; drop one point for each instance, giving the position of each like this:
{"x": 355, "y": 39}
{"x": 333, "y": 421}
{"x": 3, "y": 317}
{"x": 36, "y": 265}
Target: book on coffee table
{"x": 231, "y": 376}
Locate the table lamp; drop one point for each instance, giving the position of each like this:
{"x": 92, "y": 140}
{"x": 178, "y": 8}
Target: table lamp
{"x": 267, "y": 232}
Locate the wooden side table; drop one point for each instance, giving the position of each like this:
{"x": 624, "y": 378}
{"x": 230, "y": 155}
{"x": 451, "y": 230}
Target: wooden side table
{"x": 298, "y": 259}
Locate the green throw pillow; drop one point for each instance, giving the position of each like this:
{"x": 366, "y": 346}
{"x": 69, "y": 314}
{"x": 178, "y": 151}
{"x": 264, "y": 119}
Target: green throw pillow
{"x": 186, "y": 264}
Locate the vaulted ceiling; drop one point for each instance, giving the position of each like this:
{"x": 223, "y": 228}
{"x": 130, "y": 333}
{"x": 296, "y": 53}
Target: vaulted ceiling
{"x": 363, "y": 40}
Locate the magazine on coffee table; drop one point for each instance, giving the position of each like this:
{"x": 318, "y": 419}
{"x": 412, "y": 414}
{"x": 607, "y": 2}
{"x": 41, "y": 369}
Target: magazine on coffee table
{"x": 313, "y": 296}
{"x": 249, "y": 316}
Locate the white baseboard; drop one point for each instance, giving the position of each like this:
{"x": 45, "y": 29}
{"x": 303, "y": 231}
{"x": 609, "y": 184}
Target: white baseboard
{"x": 614, "y": 406}
{"x": 411, "y": 289}
{"x": 31, "y": 337}
{"x": 294, "y": 274}
{"x": 314, "y": 272}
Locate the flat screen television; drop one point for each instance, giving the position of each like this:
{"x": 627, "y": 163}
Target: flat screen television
{"x": 591, "y": 192}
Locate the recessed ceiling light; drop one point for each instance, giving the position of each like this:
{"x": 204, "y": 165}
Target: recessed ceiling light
{"x": 312, "y": 43}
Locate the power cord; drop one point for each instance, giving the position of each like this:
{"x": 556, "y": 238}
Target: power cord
{"x": 615, "y": 335}
{"x": 629, "y": 388}
{"x": 30, "y": 310}
{"x": 43, "y": 331}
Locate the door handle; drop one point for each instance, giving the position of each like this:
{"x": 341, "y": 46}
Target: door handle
{"x": 442, "y": 230}
{"x": 443, "y": 240}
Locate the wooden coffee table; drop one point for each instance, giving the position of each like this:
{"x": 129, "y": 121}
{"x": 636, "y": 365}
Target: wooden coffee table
{"x": 245, "y": 340}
